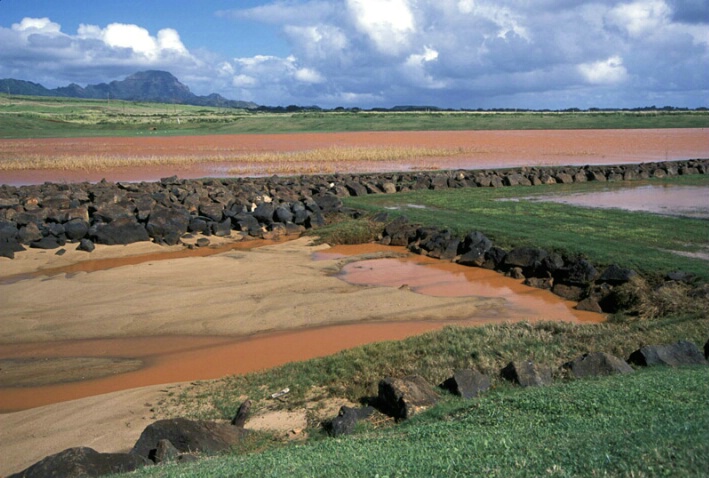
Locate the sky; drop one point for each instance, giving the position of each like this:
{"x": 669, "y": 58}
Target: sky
{"x": 533, "y": 54}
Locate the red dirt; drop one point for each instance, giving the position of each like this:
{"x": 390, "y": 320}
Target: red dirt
{"x": 482, "y": 150}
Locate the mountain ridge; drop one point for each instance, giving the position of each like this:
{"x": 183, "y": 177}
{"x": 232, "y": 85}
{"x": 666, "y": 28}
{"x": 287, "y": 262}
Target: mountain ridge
{"x": 150, "y": 86}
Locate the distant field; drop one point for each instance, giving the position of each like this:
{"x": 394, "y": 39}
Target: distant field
{"x": 43, "y": 117}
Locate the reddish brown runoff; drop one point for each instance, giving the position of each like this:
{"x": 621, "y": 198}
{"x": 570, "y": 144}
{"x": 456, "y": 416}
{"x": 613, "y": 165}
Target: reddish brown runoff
{"x": 481, "y": 149}
{"x": 181, "y": 358}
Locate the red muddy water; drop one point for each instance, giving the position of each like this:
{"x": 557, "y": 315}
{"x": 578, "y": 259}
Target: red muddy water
{"x": 177, "y": 359}
{"x": 479, "y": 150}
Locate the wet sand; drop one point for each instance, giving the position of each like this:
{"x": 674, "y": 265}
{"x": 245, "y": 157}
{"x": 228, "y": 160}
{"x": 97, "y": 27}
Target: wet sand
{"x": 194, "y": 318}
{"x": 405, "y": 296}
{"x": 479, "y": 150}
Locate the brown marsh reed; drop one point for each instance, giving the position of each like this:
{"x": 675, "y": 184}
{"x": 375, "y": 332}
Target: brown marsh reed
{"x": 319, "y": 160}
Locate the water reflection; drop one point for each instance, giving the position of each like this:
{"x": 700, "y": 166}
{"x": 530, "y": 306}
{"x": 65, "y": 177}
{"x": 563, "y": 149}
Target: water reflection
{"x": 689, "y": 201}
{"x": 442, "y": 279}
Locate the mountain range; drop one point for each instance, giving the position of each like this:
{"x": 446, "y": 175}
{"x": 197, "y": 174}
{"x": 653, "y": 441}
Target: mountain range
{"x": 147, "y": 86}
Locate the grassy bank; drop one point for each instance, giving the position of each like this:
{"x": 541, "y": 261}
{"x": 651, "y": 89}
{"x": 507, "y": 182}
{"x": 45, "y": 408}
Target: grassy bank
{"x": 34, "y": 117}
{"x": 651, "y": 423}
{"x": 649, "y": 243}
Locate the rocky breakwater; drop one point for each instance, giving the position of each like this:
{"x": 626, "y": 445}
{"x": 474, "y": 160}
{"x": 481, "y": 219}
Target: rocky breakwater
{"x": 48, "y": 216}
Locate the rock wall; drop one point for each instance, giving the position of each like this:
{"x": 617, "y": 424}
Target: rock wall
{"x": 50, "y": 215}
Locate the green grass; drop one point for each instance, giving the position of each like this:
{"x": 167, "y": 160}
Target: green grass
{"x": 27, "y": 117}
{"x": 650, "y": 423}
{"x": 638, "y": 240}
{"x": 354, "y": 374}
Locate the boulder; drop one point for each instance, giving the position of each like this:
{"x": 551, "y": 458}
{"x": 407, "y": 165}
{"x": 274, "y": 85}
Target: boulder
{"x": 86, "y": 245}
{"x": 264, "y": 213}
{"x": 563, "y": 178}
{"x": 242, "y": 414}
{"x": 8, "y": 230}
{"x": 37, "y": 216}
{"x": 221, "y": 229}
{"x": 165, "y": 452}
{"x": 300, "y": 213}
{"x": 579, "y": 273}
{"x": 356, "y": 189}
{"x": 125, "y": 230}
{"x": 494, "y": 258}
{"x": 474, "y": 247}
{"x": 247, "y": 223}
{"x": 8, "y": 247}
{"x": 346, "y": 420}
{"x": 388, "y": 187}
{"x": 529, "y": 259}
{"x": 401, "y": 398}
{"x": 82, "y": 462}
{"x": 616, "y": 275}
{"x": 213, "y": 211}
{"x": 29, "y": 233}
{"x": 440, "y": 245}
{"x": 284, "y": 214}
{"x": 167, "y": 225}
{"x": 516, "y": 179}
{"x": 680, "y": 276}
{"x": 189, "y": 436}
{"x": 111, "y": 212}
{"x": 327, "y": 202}
{"x": 527, "y": 374}
{"x": 76, "y": 229}
{"x": 597, "y": 364}
{"x": 569, "y": 292}
{"x": 400, "y": 231}
{"x": 199, "y": 225}
{"x": 680, "y": 353}
{"x": 467, "y": 383}
{"x": 54, "y": 229}
{"x": 539, "y": 282}
{"x": 48, "y": 242}
{"x": 590, "y": 304}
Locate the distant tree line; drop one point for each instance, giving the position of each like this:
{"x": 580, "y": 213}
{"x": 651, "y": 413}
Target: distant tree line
{"x": 426, "y": 109}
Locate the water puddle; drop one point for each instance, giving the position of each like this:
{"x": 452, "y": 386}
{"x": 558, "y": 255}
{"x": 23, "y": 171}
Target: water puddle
{"x": 179, "y": 359}
{"x": 436, "y": 278}
{"x": 69, "y": 369}
{"x": 688, "y": 201}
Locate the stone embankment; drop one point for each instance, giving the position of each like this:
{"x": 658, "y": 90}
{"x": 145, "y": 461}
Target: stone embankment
{"x": 48, "y": 216}
{"x": 180, "y": 440}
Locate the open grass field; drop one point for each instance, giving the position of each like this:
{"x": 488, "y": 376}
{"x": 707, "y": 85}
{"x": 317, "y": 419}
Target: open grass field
{"x": 648, "y": 243}
{"x": 41, "y": 117}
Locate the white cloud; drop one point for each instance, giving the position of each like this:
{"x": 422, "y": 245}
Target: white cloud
{"x": 308, "y": 75}
{"x": 282, "y": 12}
{"x": 317, "y": 42}
{"x": 605, "y": 72}
{"x": 244, "y": 81}
{"x": 388, "y": 23}
{"x": 37, "y": 49}
{"x": 136, "y": 39}
{"x": 33, "y": 25}
{"x": 639, "y": 17}
{"x": 451, "y": 53}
